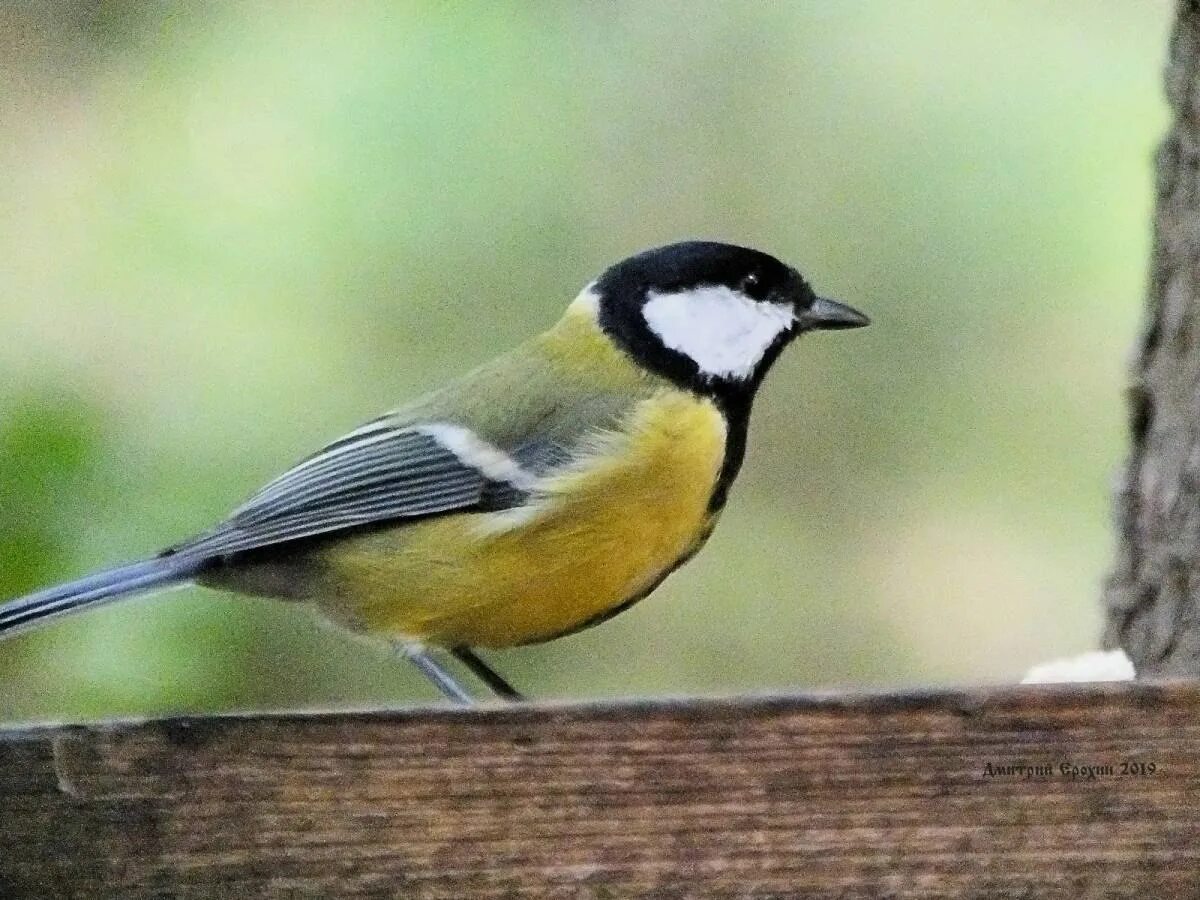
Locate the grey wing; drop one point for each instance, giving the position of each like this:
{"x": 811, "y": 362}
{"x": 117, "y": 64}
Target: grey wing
{"x": 378, "y": 473}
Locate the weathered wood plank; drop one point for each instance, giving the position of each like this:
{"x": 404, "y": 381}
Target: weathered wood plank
{"x": 846, "y": 796}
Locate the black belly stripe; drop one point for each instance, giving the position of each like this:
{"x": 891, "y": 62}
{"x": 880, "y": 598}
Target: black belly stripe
{"x": 736, "y": 412}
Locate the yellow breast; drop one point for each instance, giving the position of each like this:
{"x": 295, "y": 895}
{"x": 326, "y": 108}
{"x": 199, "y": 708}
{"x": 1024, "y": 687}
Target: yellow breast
{"x": 600, "y": 533}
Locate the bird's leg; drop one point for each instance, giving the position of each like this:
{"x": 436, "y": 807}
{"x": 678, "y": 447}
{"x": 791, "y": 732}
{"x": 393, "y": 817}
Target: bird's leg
{"x": 431, "y": 669}
{"x": 486, "y": 673}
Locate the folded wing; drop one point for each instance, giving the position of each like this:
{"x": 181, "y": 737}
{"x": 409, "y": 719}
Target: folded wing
{"x": 380, "y": 472}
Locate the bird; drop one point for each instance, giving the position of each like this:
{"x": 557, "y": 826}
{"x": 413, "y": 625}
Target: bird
{"x": 542, "y": 493}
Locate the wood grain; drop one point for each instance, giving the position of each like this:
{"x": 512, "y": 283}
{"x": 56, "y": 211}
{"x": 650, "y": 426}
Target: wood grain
{"x": 814, "y": 796}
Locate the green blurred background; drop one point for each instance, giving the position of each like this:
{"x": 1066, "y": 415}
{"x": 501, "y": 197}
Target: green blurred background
{"x": 230, "y": 232}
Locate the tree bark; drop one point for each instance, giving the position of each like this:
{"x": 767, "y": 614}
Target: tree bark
{"x": 1153, "y": 595}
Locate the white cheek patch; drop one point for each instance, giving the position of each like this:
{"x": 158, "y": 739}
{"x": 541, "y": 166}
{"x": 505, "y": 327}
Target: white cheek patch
{"x": 725, "y": 332}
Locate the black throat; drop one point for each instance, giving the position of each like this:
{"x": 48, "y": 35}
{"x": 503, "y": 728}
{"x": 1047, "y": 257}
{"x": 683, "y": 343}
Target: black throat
{"x": 626, "y": 327}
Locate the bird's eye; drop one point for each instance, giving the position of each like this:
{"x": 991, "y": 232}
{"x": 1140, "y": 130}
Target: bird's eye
{"x": 749, "y": 283}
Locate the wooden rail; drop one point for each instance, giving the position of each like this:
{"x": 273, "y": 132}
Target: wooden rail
{"x": 1072, "y": 792}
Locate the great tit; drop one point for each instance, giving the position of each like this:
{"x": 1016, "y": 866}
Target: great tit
{"x": 540, "y": 494}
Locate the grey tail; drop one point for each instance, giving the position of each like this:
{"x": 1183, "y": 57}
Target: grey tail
{"x": 26, "y": 612}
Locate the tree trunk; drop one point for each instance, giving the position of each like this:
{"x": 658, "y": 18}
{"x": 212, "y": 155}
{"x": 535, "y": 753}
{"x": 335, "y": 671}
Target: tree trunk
{"x": 1153, "y": 596}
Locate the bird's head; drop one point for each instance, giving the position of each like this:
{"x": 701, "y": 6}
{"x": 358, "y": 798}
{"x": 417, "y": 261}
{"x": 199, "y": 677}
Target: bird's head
{"x": 711, "y": 316}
